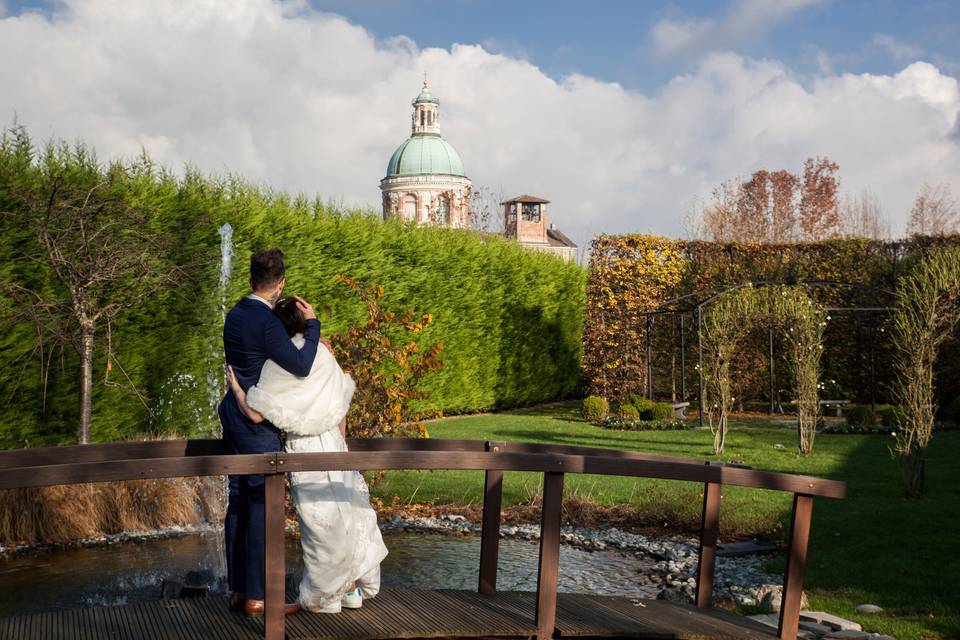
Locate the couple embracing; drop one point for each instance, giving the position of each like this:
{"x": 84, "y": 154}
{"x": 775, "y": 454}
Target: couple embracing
{"x": 288, "y": 393}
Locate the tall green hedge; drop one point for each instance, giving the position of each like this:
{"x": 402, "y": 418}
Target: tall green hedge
{"x": 510, "y": 319}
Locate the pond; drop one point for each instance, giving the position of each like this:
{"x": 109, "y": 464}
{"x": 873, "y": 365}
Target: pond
{"x": 133, "y": 571}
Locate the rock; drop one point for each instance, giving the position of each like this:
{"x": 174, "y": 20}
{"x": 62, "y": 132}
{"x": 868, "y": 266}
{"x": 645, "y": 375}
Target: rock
{"x": 847, "y": 634}
{"x": 868, "y": 608}
{"x": 724, "y": 601}
{"x": 769, "y": 619}
{"x": 880, "y": 636}
{"x": 675, "y": 594}
{"x": 836, "y": 622}
{"x": 778, "y": 446}
{"x": 170, "y": 590}
{"x": 199, "y": 578}
{"x": 770, "y": 597}
{"x": 815, "y": 628}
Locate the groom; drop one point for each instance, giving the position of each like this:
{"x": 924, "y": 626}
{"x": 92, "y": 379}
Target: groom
{"x": 251, "y": 336}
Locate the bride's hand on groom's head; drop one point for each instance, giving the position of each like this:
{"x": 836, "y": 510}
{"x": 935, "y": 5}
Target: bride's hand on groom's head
{"x": 305, "y": 308}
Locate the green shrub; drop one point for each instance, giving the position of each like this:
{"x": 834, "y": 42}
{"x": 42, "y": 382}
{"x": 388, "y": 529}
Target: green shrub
{"x": 891, "y": 416}
{"x": 860, "y": 415}
{"x": 594, "y": 408}
{"x": 628, "y": 411}
{"x": 649, "y": 410}
{"x": 662, "y": 411}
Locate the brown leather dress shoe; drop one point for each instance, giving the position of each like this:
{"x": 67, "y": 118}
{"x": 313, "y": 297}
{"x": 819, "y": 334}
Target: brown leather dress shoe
{"x": 235, "y": 601}
{"x": 255, "y": 608}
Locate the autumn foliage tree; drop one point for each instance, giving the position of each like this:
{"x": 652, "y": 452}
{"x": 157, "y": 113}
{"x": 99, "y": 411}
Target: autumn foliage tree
{"x": 774, "y": 206}
{"x": 387, "y": 364}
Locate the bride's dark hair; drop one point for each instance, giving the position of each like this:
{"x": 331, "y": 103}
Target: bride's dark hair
{"x": 289, "y": 314}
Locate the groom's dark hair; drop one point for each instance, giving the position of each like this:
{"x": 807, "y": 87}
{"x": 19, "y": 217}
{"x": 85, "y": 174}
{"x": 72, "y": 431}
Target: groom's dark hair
{"x": 266, "y": 269}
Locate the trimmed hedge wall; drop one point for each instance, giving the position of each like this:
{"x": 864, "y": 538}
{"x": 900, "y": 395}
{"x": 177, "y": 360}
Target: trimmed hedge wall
{"x": 510, "y": 319}
{"x": 631, "y": 274}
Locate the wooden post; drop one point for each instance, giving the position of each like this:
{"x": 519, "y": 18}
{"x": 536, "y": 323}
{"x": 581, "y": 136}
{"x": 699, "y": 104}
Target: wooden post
{"x": 546, "y": 611}
{"x": 796, "y": 564}
{"x": 709, "y": 529}
{"x": 490, "y": 532}
{"x": 274, "y": 569}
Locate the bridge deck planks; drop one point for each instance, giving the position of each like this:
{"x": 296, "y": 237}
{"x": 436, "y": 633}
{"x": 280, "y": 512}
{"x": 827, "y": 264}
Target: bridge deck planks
{"x": 394, "y": 615}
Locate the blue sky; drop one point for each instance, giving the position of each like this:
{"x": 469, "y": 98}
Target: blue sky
{"x": 611, "y": 40}
{"x": 625, "y": 115}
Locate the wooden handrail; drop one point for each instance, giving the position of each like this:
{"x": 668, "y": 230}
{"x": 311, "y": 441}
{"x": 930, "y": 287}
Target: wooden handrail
{"x": 598, "y": 462}
{"x": 180, "y": 458}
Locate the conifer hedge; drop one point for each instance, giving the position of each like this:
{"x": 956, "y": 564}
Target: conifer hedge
{"x": 510, "y": 320}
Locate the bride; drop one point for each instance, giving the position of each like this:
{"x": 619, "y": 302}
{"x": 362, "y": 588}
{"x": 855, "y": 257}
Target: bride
{"x": 342, "y": 545}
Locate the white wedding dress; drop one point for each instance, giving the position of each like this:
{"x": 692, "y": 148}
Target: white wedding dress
{"x": 338, "y": 527}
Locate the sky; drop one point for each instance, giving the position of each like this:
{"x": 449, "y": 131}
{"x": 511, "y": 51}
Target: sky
{"x": 622, "y": 114}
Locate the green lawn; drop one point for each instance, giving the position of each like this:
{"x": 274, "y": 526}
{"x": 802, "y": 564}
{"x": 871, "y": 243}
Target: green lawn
{"x": 874, "y": 546}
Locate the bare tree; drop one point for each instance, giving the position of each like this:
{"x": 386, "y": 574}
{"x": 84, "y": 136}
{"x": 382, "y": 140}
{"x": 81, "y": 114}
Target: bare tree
{"x": 485, "y": 209}
{"x": 717, "y": 219}
{"x": 935, "y": 212}
{"x": 861, "y": 216}
{"x": 98, "y": 254}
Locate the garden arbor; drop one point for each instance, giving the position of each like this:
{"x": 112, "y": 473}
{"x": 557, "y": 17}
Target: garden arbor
{"x": 732, "y": 313}
{"x": 730, "y": 318}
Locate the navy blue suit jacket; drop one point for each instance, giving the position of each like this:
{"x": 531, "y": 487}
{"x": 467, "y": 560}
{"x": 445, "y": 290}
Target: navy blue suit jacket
{"x": 251, "y": 336}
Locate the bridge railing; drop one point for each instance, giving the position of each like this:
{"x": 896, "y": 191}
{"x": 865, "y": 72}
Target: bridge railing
{"x": 183, "y": 458}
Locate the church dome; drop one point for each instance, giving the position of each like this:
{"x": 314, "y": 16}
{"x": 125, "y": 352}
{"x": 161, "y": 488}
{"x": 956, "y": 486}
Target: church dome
{"x": 425, "y": 154}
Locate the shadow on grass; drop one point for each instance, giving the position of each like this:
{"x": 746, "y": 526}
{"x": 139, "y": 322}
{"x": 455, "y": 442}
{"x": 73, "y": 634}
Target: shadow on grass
{"x": 876, "y": 546}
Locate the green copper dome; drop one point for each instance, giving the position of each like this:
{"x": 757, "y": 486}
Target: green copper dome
{"x": 425, "y": 153}
{"x": 426, "y": 96}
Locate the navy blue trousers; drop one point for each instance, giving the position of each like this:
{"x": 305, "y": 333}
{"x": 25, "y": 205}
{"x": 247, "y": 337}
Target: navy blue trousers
{"x": 243, "y": 524}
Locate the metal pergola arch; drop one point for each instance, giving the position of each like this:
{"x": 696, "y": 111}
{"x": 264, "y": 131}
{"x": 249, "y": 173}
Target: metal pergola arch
{"x": 695, "y": 303}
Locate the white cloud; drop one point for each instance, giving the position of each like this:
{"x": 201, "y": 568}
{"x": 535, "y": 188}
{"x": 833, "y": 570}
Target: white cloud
{"x": 898, "y": 50}
{"x": 744, "y": 21}
{"x": 307, "y": 101}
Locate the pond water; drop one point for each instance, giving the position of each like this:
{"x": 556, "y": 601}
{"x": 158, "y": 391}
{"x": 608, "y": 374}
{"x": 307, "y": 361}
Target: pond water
{"x": 133, "y": 571}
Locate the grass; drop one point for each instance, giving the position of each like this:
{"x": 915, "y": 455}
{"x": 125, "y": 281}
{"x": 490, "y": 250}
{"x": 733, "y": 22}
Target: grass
{"x": 874, "y": 546}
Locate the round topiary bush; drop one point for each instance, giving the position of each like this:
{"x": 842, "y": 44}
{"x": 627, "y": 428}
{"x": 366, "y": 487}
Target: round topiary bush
{"x": 860, "y": 415}
{"x": 628, "y": 412}
{"x": 891, "y": 416}
{"x": 594, "y": 408}
{"x": 661, "y": 411}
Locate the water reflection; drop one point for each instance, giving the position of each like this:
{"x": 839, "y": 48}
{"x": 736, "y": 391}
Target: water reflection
{"x": 132, "y": 572}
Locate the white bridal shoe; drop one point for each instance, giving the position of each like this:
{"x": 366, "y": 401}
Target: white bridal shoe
{"x": 352, "y": 599}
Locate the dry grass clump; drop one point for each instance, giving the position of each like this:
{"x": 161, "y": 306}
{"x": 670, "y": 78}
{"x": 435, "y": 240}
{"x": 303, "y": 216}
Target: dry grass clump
{"x": 62, "y": 514}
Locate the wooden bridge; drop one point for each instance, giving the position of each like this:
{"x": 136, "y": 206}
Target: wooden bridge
{"x": 422, "y": 613}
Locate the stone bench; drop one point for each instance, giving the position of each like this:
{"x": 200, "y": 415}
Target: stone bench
{"x": 680, "y": 409}
{"x": 827, "y": 404}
